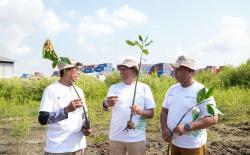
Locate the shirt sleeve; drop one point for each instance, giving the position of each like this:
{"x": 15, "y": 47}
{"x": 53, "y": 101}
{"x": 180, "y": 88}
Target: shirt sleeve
{"x": 165, "y": 103}
{"x": 57, "y": 116}
{"x": 110, "y": 91}
{"x": 47, "y": 102}
{"x": 149, "y": 99}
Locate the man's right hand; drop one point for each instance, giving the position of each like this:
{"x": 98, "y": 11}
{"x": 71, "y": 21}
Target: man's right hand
{"x": 166, "y": 135}
{"x": 111, "y": 100}
{"x": 73, "y": 105}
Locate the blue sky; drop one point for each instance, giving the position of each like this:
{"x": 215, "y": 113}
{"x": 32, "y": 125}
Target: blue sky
{"x": 212, "y": 32}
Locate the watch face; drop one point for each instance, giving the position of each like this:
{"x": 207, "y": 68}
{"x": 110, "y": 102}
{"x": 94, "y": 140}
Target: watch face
{"x": 187, "y": 127}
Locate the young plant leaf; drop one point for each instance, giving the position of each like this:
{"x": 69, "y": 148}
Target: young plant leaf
{"x": 215, "y": 109}
{"x": 54, "y": 64}
{"x": 195, "y": 113}
{"x": 211, "y": 109}
{"x": 49, "y": 53}
{"x": 65, "y": 60}
{"x": 130, "y": 43}
{"x": 209, "y": 93}
{"x": 145, "y": 51}
{"x": 201, "y": 95}
{"x": 138, "y": 44}
{"x": 140, "y": 37}
{"x": 149, "y": 43}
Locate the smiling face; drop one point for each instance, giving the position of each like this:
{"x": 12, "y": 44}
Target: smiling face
{"x": 127, "y": 74}
{"x": 74, "y": 73}
{"x": 183, "y": 74}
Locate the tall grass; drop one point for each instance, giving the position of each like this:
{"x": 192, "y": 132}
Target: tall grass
{"x": 20, "y": 98}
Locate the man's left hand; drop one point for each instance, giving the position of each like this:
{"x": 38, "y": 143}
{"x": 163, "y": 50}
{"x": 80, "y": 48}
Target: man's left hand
{"x": 136, "y": 109}
{"x": 179, "y": 130}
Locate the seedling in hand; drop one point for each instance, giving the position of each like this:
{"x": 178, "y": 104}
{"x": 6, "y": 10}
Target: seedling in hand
{"x": 142, "y": 43}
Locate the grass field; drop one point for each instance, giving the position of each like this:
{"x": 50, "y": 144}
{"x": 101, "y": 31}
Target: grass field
{"x": 20, "y": 99}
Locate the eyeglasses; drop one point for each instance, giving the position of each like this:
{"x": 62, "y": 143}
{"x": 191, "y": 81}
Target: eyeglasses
{"x": 123, "y": 68}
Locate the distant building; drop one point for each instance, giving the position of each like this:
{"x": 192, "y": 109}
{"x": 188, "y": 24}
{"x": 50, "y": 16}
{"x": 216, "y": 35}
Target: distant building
{"x": 213, "y": 69}
{"x": 6, "y": 67}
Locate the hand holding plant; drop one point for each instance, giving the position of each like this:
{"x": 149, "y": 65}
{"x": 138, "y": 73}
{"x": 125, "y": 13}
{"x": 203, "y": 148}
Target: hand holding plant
{"x": 201, "y": 98}
{"x": 49, "y": 53}
{"x": 143, "y": 43}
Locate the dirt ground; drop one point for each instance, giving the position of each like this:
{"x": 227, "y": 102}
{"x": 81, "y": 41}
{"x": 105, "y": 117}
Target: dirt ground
{"x": 232, "y": 139}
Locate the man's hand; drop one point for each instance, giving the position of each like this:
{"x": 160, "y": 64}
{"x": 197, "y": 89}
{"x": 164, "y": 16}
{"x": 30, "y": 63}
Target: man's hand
{"x": 166, "y": 135}
{"x": 136, "y": 109}
{"x": 86, "y": 132}
{"x": 73, "y": 105}
{"x": 179, "y": 130}
{"x": 111, "y": 100}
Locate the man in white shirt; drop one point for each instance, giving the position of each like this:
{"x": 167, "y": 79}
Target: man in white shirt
{"x": 189, "y": 137}
{"x": 62, "y": 110}
{"x": 119, "y": 99}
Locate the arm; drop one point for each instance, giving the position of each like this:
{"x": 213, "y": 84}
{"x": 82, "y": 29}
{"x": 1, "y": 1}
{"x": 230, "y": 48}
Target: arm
{"x": 147, "y": 113}
{"x": 109, "y": 102}
{"x": 166, "y": 133}
{"x": 202, "y": 123}
{"x": 56, "y": 116}
{"x": 52, "y": 117}
{"x": 105, "y": 105}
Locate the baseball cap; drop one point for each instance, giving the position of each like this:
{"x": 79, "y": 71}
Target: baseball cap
{"x": 61, "y": 65}
{"x": 184, "y": 61}
{"x": 129, "y": 63}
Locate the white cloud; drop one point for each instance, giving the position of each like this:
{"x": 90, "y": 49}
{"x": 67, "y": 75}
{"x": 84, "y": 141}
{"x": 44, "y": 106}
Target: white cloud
{"x": 52, "y": 24}
{"x": 12, "y": 40}
{"x": 91, "y": 26}
{"x": 130, "y": 15}
{"x": 233, "y": 37}
{"x": 104, "y": 22}
{"x": 20, "y": 19}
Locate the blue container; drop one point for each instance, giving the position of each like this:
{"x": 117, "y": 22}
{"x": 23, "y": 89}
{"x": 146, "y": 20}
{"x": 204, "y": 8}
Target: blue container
{"x": 103, "y": 65}
{"x": 88, "y": 70}
{"x": 99, "y": 69}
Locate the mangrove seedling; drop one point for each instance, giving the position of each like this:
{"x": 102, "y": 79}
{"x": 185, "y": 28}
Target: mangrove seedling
{"x": 202, "y": 97}
{"x": 142, "y": 43}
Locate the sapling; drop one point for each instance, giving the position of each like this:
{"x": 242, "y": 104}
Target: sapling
{"x": 49, "y": 53}
{"x": 143, "y": 43}
{"x": 202, "y": 97}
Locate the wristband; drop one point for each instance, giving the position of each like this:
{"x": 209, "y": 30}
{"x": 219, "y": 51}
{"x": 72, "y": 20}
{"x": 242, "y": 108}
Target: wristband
{"x": 104, "y": 104}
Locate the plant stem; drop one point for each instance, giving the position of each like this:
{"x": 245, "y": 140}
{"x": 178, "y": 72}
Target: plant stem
{"x": 137, "y": 77}
{"x": 181, "y": 120}
{"x": 84, "y": 110}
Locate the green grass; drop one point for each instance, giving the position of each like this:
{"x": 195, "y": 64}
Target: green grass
{"x": 20, "y": 99}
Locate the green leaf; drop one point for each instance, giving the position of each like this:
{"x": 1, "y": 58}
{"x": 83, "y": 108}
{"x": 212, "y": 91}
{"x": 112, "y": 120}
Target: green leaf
{"x": 209, "y": 93}
{"x": 195, "y": 113}
{"x": 65, "y": 60}
{"x": 201, "y": 95}
{"x": 130, "y": 43}
{"x": 48, "y": 51}
{"x": 149, "y": 43}
{"x": 140, "y": 37}
{"x": 138, "y": 44}
{"x": 145, "y": 51}
{"x": 54, "y": 64}
{"x": 211, "y": 109}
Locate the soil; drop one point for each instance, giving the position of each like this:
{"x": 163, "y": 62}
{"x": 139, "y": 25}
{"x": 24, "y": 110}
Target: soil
{"x": 223, "y": 139}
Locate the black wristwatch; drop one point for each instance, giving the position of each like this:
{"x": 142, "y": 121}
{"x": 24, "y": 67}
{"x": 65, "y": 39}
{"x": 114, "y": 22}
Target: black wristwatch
{"x": 187, "y": 127}
{"x": 104, "y": 105}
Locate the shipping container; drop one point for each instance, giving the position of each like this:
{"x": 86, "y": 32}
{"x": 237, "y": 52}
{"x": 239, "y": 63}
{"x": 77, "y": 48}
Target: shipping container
{"x": 99, "y": 69}
{"x": 88, "y": 70}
